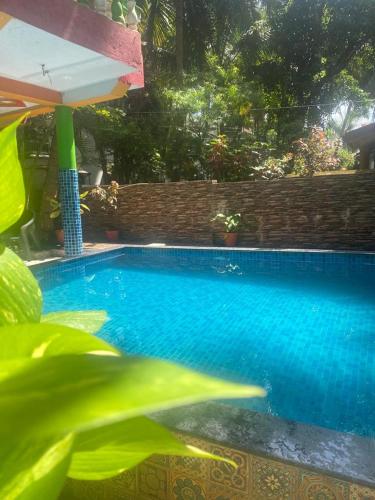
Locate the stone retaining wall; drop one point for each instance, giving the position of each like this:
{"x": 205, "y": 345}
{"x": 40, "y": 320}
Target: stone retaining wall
{"x": 330, "y": 211}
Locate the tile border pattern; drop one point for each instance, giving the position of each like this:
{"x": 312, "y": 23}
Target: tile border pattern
{"x": 256, "y": 478}
{"x": 245, "y": 254}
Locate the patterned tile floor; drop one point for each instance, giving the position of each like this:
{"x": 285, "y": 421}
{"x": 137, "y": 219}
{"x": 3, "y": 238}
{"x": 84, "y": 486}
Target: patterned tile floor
{"x": 256, "y": 478}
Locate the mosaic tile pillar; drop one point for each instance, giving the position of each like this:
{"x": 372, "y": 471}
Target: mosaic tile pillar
{"x": 68, "y": 182}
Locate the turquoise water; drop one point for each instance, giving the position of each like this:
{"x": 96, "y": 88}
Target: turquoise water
{"x": 303, "y": 330}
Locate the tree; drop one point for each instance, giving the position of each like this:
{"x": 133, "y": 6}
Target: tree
{"x": 262, "y": 73}
{"x": 309, "y": 53}
{"x": 179, "y": 39}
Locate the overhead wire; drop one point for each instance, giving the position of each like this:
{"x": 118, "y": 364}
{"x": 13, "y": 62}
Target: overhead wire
{"x": 269, "y": 108}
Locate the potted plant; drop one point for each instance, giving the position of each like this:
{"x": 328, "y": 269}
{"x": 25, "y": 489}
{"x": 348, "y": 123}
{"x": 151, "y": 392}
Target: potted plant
{"x": 107, "y": 196}
{"x": 232, "y": 224}
{"x": 55, "y": 214}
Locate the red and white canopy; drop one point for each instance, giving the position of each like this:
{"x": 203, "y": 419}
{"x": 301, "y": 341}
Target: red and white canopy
{"x": 55, "y": 52}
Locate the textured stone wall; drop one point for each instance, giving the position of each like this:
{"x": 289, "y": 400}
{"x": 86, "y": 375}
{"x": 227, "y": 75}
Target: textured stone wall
{"x": 331, "y": 211}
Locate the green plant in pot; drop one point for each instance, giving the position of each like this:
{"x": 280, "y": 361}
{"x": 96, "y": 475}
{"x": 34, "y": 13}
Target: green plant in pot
{"x": 55, "y": 214}
{"x": 107, "y": 196}
{"x": 232, "y": 225}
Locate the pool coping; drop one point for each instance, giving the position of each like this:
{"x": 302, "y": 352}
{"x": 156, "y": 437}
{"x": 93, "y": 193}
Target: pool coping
{"x": 92, "y": 254}
{"x": 342, "y": 455}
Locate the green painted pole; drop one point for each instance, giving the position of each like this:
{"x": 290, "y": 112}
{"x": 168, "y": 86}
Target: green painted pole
{"x": 66, "y": 149}
{"x": 68, "y": 182}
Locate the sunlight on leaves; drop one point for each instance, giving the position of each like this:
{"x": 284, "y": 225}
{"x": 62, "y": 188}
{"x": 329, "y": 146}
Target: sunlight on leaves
{"x": 72, "y": 393}
{"x": 33, "y": 469}
{"x": 12, "y": 191}
{"x": 44, "y": 340}
{"x": 89, "y": 321}
{"x": 20, "y": 295}
{"x": 112, "y": 449}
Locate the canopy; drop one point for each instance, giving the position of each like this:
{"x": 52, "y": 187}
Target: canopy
{"x": 62, "y": 53}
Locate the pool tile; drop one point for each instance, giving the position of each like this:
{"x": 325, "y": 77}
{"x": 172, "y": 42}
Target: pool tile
{"x": 305, "y": 338}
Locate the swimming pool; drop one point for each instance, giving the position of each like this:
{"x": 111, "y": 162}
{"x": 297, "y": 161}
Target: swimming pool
{"x": 300, "y": 324}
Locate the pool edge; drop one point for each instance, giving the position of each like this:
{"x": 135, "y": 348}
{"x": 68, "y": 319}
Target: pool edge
{"x": 320, "y": 450}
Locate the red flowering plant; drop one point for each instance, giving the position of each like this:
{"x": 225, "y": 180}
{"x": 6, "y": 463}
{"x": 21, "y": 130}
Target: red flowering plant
{"x": 316, "y": 153}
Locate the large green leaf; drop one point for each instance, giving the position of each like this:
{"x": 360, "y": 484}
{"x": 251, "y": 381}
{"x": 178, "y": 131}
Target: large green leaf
{"x": 89, "y": 321}
{"x": 31, "y": 469}
{"x": 37, "y": 340}
{"x": 12, "y": 191}
{"x": 64, "y": 394}
{"x": 11, "y": 367}
{"x": 20, "y": 295}
{"x": 112, "y": 449}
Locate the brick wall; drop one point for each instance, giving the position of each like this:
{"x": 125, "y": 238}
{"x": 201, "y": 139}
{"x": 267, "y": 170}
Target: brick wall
{"x": 331, "y": 211}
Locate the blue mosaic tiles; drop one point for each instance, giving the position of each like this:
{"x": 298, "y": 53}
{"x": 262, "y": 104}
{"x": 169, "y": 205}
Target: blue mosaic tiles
{"x": 70, "y": 211}
{"x": 301, "y": 324}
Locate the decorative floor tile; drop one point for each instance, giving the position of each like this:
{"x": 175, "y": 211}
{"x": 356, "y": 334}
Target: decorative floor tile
{"x": 126, "y": 481}
{"x": 121, "y": 487}
{"x": 84, "y": 490}
{"x": 361, "y": 493}
{"x": 190, "y": 466}
{"x": 152, "y": 481}
{"x": 315, "y": 487}
{"x": 221, "y": 492}
{"x": 161, "y": 460}
{"x": 271, "y": 479}
{"x": 226, "y": 474}
{"x": 198, "y": 443}
{"x": 184, "y": 488}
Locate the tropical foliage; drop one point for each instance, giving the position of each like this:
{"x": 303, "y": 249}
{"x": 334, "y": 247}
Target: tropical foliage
{"x": 70, "y": 403}
{"x": 231, "y": 85}
{"x": 231, "y": 223}
{"x": 106, "y": 196}
{"x": 56, "y": 206}
{"x": 317, "y": 153}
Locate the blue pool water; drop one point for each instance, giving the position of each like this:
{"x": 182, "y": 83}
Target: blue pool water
{"x": 301, "y": 325}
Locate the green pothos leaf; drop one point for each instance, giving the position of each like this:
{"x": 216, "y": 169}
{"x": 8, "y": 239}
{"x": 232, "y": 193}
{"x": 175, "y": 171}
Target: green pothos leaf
{"x": 107, "y": 451}
{"x": 33, "y": 469}
{"x": 12, "y": 191}
{"x": 89, "y": 321}
{"x": 37, "y": 340}
{"x": 20, "y": 295}
{"x": 75, "y": 393}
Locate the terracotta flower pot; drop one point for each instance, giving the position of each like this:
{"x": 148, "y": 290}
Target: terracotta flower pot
{"x": 60, "y": 236}
{"x": 112, "y": 235}
{"x": 230, "y": 239}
